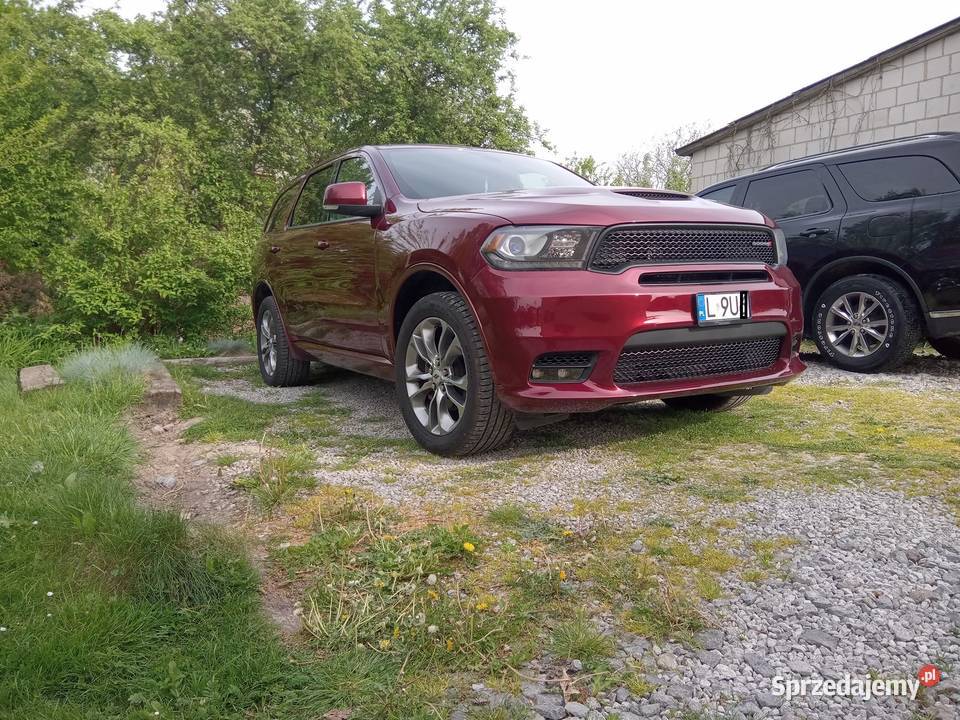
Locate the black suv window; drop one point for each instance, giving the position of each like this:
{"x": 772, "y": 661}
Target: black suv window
{"x": 787, "y": 196}
{"x": 310, "y": 206}
{"x": 899, "y": 177}
{"x": 281, "y": 209}
{"x": 723, "y": 195}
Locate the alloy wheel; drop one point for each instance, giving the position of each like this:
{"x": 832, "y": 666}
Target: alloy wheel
{"x": 857, "y": 324}
{"x": 268, "y": 343}
{"x": 436, "y": 376}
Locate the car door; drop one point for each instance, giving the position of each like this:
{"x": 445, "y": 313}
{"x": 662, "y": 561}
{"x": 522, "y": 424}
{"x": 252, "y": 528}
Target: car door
{"x": 304, "y": 268}
{"x": 270, "y": 256}
{"x": 808, "y": 207}
{"x": 342, "y": 310}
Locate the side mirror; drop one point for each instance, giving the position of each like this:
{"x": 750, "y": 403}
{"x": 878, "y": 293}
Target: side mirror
{"x": 349, "y": 198}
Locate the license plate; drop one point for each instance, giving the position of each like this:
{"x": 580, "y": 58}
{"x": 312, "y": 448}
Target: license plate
{"x": 719, "y": 308}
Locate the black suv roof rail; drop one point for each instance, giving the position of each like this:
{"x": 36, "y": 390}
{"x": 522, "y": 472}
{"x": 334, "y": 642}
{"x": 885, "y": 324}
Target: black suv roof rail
{"x": 853, "y": 148}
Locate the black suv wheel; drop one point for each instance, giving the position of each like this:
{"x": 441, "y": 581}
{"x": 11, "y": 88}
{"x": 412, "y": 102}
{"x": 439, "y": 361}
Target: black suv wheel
{"x": 866, "y": 323}
{"x": 445, "y": 387}
{"x": 277, "y": 365}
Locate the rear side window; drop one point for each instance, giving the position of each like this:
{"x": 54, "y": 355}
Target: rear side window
{"x": 310, "y": 206}
{"x": 899, "y": 177}
{"x": 723, "y": 195}
{"x": 281, "y": 210}
{"x": 787, "y": 196}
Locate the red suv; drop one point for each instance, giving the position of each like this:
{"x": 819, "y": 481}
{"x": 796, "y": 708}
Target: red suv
{"x": 500, "y": 291}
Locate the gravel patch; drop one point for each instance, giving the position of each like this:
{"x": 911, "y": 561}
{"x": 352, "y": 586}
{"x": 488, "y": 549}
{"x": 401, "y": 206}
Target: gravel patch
{"x": 260, "y": 394}
{"x": 921, "y": 374}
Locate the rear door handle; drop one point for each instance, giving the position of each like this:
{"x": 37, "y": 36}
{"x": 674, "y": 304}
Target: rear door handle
{"x": 813, "y": 232}
{"x": 322, "y": 244}
{"x": 274, "y": 249}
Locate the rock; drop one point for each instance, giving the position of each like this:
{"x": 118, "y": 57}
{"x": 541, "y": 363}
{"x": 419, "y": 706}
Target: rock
{"x": 39, "y": 377}
{"x": 638, "y": 546}
{"x": 531, "y": 690}
{"x": 622, "y": 695}
{"x": 165, "y": 481}
{"x": 576, "y": 665}
{"x": 748, "y": 708}
{"x": 769, "y": 700}
{"x": 902, "y": 634}
{"x": 550, "y": 712}
{"x": 759, "y": 664}
{"x": 709, "y": 639}
{"x": 710, "y": 658}
{"x": 800, "y": 667}
{"x": 667, "y": 661}
{"x": 648, "y": 710}
{"x": 162, "y": 391}
{"x": 576, "y": 709}
{"x": 725, "y": 672}
{"x": 549, "y": 699}
{"x": 680, "y": 692}
{"x": 819, "y": 637}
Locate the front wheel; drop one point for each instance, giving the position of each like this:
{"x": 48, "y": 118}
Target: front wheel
{"x": 866, "y": 323}
{"x": 949, "y": 347}
{"x": 706, "y": 403}
{"x": 444, "y": 384}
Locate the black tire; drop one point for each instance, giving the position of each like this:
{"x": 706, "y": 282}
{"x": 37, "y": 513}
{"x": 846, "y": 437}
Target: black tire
{"x": 949, "y": 347}
{"x": 485, "y": 424}
{"x": 903, "y": 329}
{"x": 287, "y": 370}
{"x": 706, "y": 403}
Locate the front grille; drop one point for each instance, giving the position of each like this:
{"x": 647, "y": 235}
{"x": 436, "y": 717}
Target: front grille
{"x": 677, "y": 362}
{"x": 653, "y": 194}
{"x": 620, "y": 247}
{"x": 564, "y": 359}
{"x": 703, "y": 277}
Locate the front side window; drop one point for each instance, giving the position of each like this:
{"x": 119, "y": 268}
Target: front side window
{"x": 310, "y": 206}
{"x": 899, "y": 177}
{"x": 722, "y": 195}
{"x": 787, "y": 196}
{"x": 356, "y": 169}
{"x": 432, "y": 172}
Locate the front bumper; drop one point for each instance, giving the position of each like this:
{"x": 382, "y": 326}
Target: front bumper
{"x": 526, "y": 314}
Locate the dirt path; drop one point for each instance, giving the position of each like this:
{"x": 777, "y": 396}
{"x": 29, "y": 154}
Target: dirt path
{"x": 186, "y": 477}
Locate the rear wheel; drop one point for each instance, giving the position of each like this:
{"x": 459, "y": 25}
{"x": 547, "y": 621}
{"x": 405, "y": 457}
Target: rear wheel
{"x": 949, "y": 347}
{"x": 706, "y": 403}
{"x": 278, "y": 367}
{"x": 444, "y": 384}
{"x": 866, "y": 323}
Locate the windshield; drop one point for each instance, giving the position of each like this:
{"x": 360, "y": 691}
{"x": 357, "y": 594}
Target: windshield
{"x": 430, "y": 172}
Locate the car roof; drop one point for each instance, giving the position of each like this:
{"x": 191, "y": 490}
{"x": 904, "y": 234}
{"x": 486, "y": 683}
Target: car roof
{"x": 860, "y": 152}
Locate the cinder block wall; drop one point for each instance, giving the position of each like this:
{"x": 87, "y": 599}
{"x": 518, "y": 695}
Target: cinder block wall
{"x": 915, "y": 94}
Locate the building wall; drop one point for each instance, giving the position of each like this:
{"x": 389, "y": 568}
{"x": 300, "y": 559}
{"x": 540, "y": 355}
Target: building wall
{"x": 915, "y": 94}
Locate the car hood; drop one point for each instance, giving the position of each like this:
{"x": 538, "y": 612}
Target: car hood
{"x": 592, "y": 206}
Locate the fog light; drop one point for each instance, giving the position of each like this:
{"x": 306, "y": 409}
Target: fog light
{"x": 536, "y": 374}
{"x": 562, "y": 367}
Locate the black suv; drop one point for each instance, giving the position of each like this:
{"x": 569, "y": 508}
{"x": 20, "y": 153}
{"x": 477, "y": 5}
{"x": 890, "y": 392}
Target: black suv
{"x": 873, "y": 234}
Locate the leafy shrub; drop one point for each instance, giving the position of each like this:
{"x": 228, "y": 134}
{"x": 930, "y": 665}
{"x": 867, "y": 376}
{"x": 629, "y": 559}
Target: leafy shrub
{"x": 99, "y": 363}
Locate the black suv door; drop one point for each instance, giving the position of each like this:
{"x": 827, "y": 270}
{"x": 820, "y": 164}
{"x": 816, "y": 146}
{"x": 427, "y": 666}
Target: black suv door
{"x": 808, "y": 206}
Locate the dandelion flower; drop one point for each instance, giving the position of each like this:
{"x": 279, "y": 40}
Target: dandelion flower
{"x": 433, "y": 594}
{"x": 432, "y": 630}
{"x": 35, "y": 522}
{"x": 469, "y": 547}
{"x": 481, "y": 606}
{"x": 384, "y": 644}
{"x": 3, "y": 629}
{"x": 449, "y": 645}
{"x": 49, "y": 593}
{"x": 563, "y": 575}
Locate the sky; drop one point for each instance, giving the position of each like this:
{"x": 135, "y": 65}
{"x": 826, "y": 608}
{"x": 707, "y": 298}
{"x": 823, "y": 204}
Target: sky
{"x": 605, "y": 77}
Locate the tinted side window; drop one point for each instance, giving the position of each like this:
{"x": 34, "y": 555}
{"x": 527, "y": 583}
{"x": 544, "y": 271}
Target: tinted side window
{"x": 723, "y": 195}
{"x": 356, "y": 169}
{"x": 786, "y": 196}
{"x": 281, "y": 210}
{"x": 899, "y": 177}
{"x": 310, "y": 206}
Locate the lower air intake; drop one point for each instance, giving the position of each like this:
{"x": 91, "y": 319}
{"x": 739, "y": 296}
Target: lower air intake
{"x": 678, "y": 362}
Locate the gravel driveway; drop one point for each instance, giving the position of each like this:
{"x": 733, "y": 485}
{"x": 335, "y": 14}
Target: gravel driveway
{"x": 870, "y": 587}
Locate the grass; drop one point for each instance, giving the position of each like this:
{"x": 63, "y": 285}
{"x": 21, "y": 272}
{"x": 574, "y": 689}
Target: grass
{"x": 105, "y": 362}
{"x": 280, "y": 475}
{"x": 579, "y": 639}
{"x": 113, "y": 610}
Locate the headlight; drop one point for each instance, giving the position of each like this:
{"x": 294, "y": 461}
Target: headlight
{"x": 781, "y": 243}
{"x": 538, "y": 247}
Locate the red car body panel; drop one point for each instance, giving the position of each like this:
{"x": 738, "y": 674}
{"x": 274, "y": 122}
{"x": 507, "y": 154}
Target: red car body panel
{"x": 521, "y": 313}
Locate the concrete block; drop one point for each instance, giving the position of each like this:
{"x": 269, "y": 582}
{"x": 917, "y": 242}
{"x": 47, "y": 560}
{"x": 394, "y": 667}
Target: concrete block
{"x": 930, "y": 88}
{"x": 938, "y": 67}
{"x": 162, "y": 391}
{"x": 907, "y": 93}
{"x": 951, "y": 84}
{"x": 914, "y": 73}
{"x": 38, "y": 377}
{"x": 914, "y": 111}
{"x": 937, "y": 106}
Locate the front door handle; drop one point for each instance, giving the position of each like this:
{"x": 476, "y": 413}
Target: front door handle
{"x": 813, "y": 232}
{"x": 274, "y": 249}
{"x": 322, "y": 244}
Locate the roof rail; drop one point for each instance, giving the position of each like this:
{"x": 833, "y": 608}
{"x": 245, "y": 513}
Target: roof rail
{"x": 879, "y": 143}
